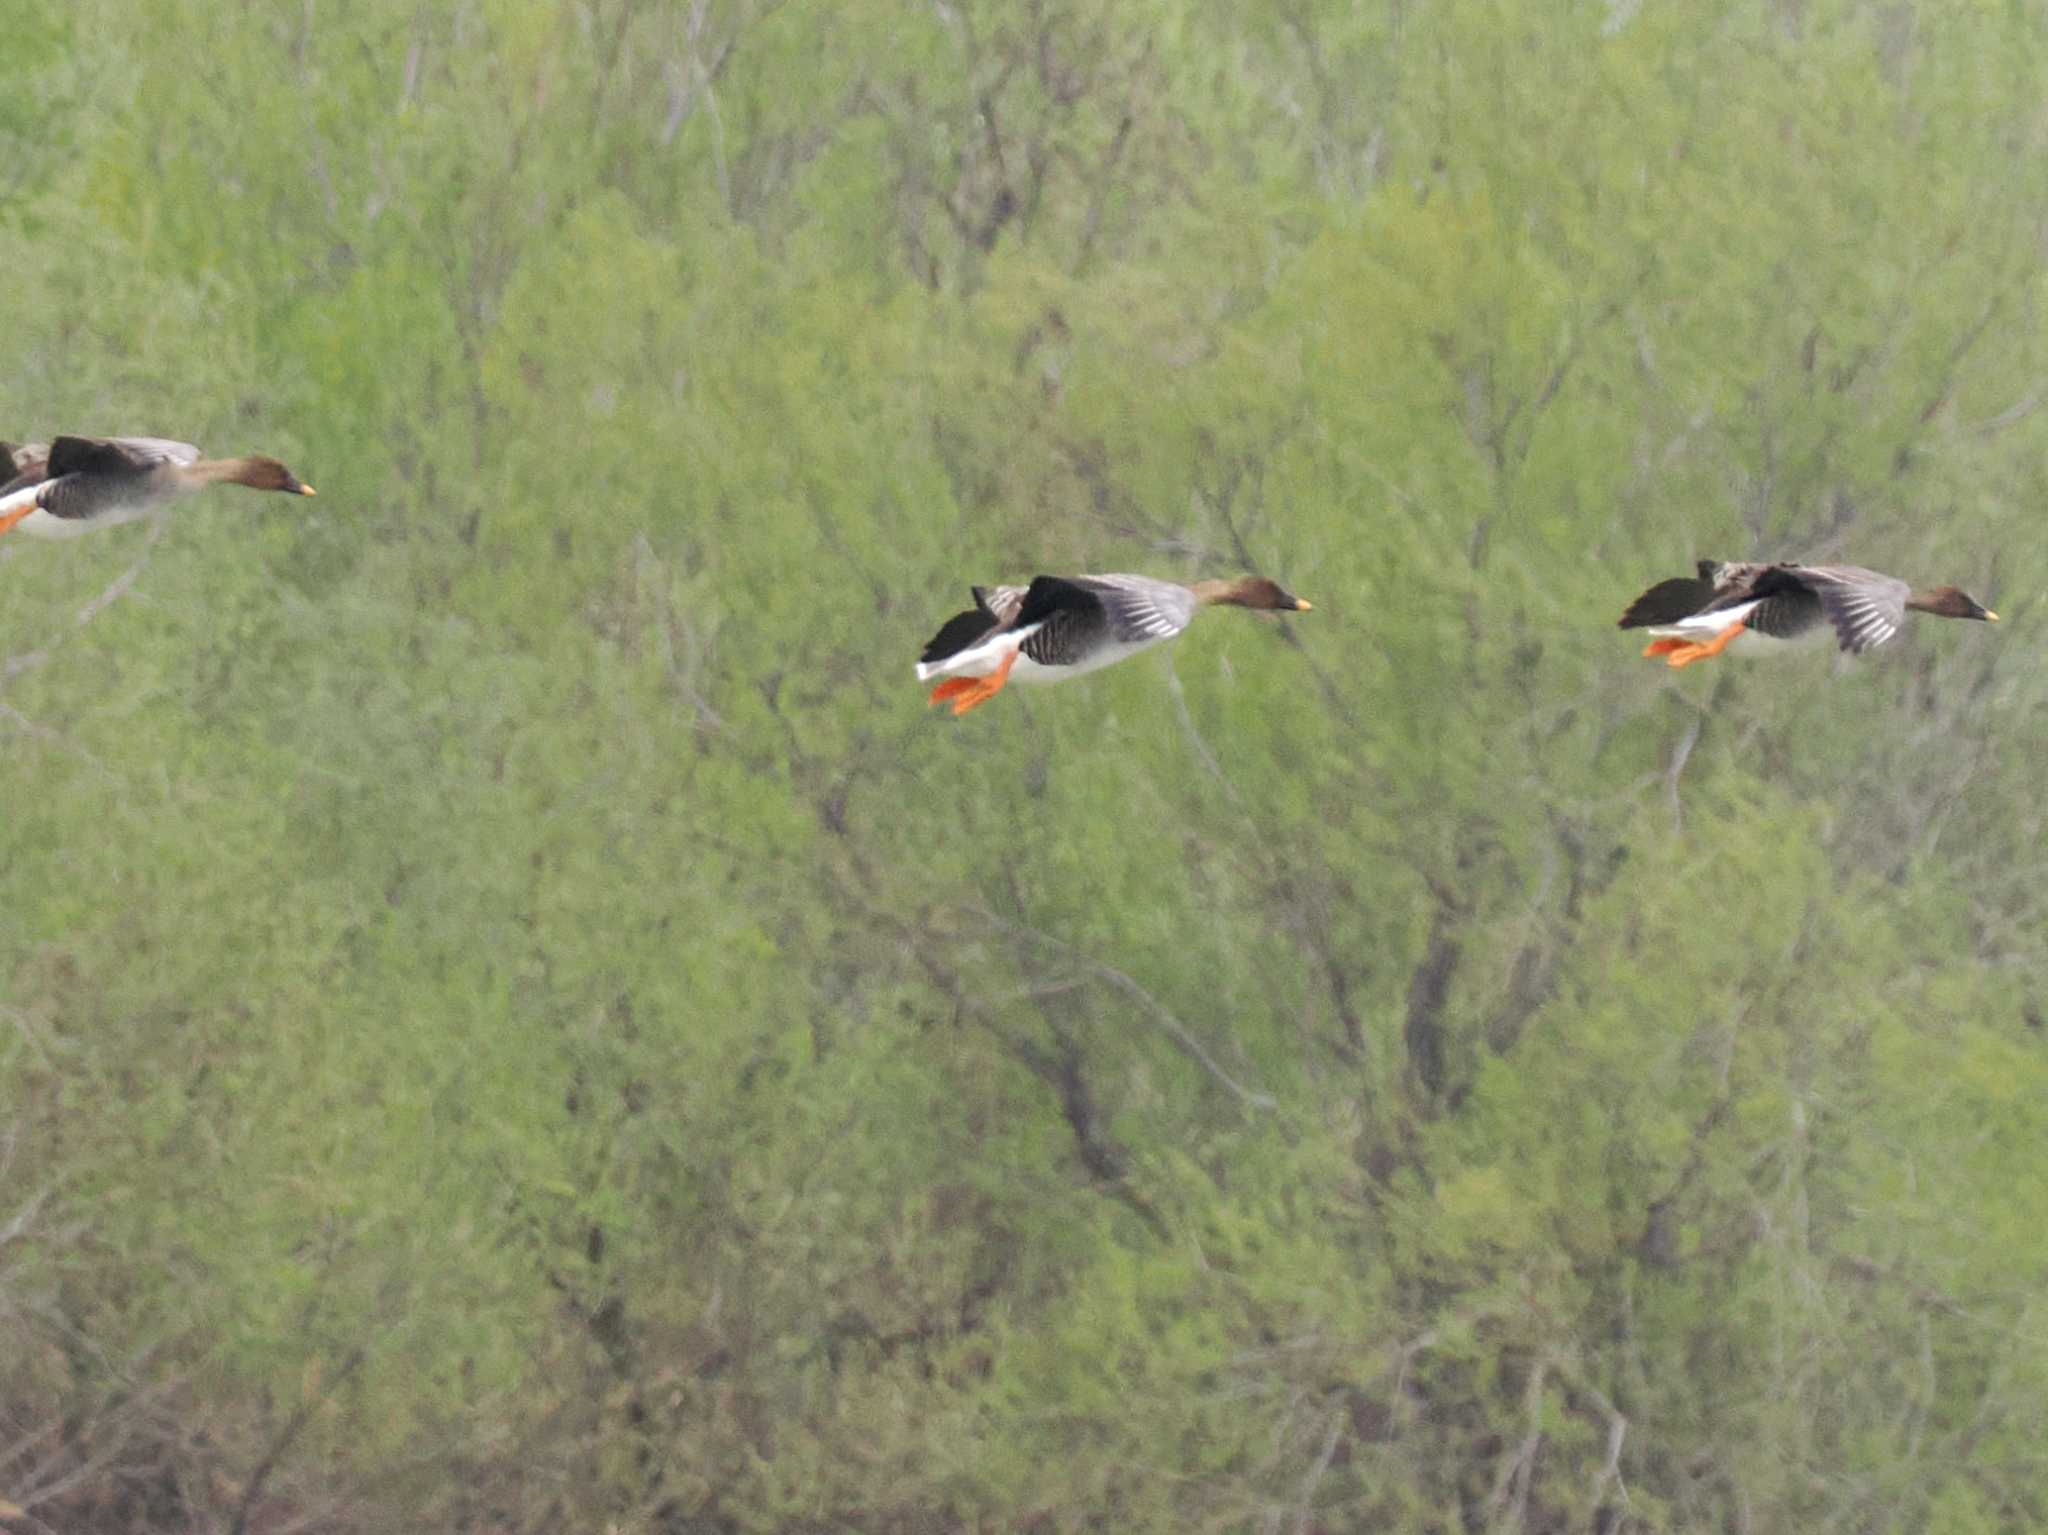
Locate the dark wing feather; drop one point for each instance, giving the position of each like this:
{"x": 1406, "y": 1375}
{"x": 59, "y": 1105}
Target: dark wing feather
{"x": 1717, "y": 584}
{"x": 1067, "y": 618}
{"x": 1787, "y": 603}
{"x": 997, "y": 607}
{"x": 115, "y": 455}
{"x": 1667, "y": 602}
{"x": 93, "y": 455}
{"x": 1067, "y": 637}
{"x": 1048, "y": 595}
{"x": 963, "y": 631}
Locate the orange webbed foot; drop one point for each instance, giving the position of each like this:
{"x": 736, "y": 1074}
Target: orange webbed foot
{"x": 984, "y": 688}
{"x": 952, "y": 687}
{"x": 1665, "y": 646}
{"x": 1690, "y": 653}
{"x": 973, "y": 699}
{"x": 9, "y": 519}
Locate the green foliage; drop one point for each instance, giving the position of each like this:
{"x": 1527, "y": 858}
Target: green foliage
{"x": 514, "y": 1016}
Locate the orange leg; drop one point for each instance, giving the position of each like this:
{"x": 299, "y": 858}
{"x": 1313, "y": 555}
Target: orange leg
{"x": 1713, "y": 647}
{"x": 953, "y": 687}
{"x": 9, "y": 519}
{"x": 1664, "y": 647}
{"x": 985, "y": 688}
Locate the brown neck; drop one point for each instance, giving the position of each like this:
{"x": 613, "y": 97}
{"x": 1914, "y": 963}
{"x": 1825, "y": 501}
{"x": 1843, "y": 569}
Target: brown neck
{"x": 216, "y": 471}
{"x": 1208, "y": 593}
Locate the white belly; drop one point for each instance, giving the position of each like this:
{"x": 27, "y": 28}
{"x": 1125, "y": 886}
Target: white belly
{"x": 41, "y": 524}
{"x": 1028, "y": 670}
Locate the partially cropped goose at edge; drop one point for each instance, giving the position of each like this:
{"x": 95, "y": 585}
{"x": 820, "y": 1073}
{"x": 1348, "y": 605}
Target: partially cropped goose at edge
{"x": 96, "y": 482}
{"x": 1762, "y": 605}
{"x": 1062, "y": 626}
{"x": 25, "y": 463}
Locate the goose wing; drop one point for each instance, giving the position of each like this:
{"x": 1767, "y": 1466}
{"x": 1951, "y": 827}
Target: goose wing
{"x": 1669, "y": 601}
{"x": 1867, "y": 608}
{"x": 1718, "y": 584}
{"x": 116, "y": 455}
{"x": 1777, "y": 600}
{"x": 1074, "y": 617}
{"x": 1002, "y": 602}
{"x": 995, "y": 607}
{"x": 1141, "y": 608}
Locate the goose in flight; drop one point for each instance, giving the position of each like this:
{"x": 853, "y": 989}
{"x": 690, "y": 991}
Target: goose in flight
{"x": 1062, "y": 626}
{"x": 81, "y": 483}
{"x": 1757, "y": 607}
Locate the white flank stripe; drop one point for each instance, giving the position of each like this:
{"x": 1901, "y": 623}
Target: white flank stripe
{"x": 978, "y": 660}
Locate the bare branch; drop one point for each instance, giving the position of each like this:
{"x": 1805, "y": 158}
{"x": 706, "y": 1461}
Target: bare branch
{"x": 1332, "y": 1436}
{"x": 118, "y": 588}
{"x": 1680, "y": 755}
{"x": 16, "y": 1228}
{"x": 1518, "y": 1470}
{"x": 283, "y": 1442}
{"x": 2012, "y": 415}
{"x": 1177, "y": 1031}
{"x": 1194, "y": 735}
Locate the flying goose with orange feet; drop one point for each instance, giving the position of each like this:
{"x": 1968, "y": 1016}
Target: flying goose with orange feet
{"x": 1064, "y": 626}
{"x": 1758, "y": 607}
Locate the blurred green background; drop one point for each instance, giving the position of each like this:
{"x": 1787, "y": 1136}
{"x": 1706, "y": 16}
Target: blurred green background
{"x": 514, "y": 1017}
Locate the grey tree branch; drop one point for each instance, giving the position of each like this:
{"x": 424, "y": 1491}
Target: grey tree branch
{"x": 283, "y": 1442}
{"x": 1332, "y": 1437}
{"x": 1175, "y": 1030}
{"x": 115, "y": 590}
{"x": 1519, "y": 1469}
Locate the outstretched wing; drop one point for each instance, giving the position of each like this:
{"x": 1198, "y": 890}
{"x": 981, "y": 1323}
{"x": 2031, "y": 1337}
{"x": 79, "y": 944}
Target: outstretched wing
{"x": 1141, "y": 609}
{"x": 1067, "y": 620}
{"x": 1074, "y": 618}
{"x": 1777, "y": 600}
{"x": 1866, "y": 608}
{"x": 116, "y": 455}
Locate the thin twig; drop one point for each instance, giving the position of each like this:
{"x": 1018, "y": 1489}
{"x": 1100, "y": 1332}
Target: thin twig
{"x": 55, "y": 737}
{"x": 1617, "y": 1433}
{"x": 1175, "y": 1029}
{"x": 1331, "y": 1438}
{"x": 283, "y": 1442}
{"x": 1194, "y": 735}
{"x": 118, "y": 588}
{"x": 1519, "y": 1470}
{"x": 17, "y": 1227}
